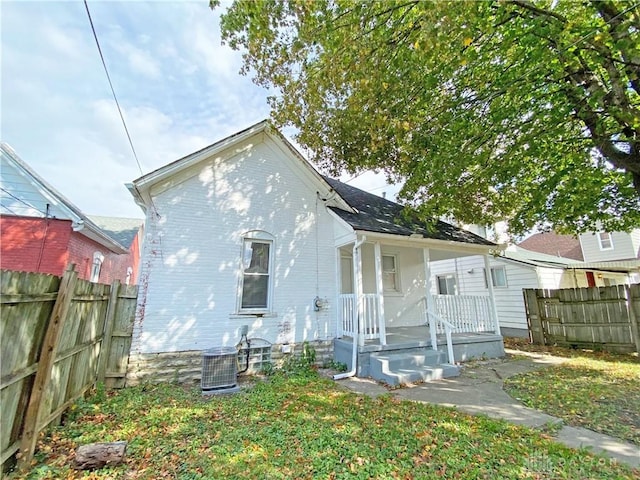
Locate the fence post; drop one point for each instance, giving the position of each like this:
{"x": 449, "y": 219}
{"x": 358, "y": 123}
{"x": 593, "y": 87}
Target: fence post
{"x": 633, "y": 318}
{"x": 109, "y": 320}
{"x": 45, "y": 363}
{"x": 536, "y": 331}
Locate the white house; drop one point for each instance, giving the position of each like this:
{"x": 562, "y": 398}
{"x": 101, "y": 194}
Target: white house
{"x": 247, "y": 232}
{"x": 517, "y": 268}
{"x": 610, "y": 246}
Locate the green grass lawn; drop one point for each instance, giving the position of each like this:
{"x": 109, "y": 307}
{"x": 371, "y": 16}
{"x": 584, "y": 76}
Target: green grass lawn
{"x": 303, "y": 426}
{"x": 596, "y": 390}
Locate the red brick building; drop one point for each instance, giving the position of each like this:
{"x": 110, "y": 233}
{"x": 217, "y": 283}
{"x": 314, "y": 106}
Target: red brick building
{"x": 42, "y": 231}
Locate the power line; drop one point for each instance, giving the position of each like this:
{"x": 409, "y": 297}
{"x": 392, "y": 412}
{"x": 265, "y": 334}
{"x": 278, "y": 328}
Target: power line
{"x": 115, "y": 98}
{"x": 20, "y": 200}
{"x": 355, "y": 176}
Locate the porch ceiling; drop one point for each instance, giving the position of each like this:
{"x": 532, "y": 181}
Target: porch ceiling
{"x": 438, "y": 249}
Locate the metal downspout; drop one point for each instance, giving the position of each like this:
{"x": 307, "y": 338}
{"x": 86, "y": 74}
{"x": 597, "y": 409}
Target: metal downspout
{"x": 354, "y": 353}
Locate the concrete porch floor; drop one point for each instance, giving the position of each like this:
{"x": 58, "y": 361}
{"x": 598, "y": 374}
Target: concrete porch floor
{"x": 400, "y": 338}
{"x": 415, "y": 340}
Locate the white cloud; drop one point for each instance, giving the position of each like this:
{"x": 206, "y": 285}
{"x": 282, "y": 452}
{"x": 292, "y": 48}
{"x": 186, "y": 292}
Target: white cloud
{"x": 59, "y": 114}
{"x": 141, "y": 62}
{"x": 178, "y": 87}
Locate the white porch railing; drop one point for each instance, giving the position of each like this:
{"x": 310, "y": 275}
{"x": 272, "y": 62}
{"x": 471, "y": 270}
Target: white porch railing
{"x": 437, "y": 323}
{"x": 466, "y": 313}
{"x": 348, "y": 322}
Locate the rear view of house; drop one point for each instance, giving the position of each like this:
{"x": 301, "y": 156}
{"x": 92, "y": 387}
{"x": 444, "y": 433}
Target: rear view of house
{"x": 42, "y": 231}
{"x": 246, "y": 234}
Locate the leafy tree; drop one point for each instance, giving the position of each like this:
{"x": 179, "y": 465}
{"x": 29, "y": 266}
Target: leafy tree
{"x": 485, "y": 110}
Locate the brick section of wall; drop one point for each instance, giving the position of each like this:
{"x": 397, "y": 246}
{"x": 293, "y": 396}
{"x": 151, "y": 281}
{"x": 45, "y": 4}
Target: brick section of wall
{"x": 114, "y": 266}
{"x": 34, "y": 244}
{"x": 186, "y": 367}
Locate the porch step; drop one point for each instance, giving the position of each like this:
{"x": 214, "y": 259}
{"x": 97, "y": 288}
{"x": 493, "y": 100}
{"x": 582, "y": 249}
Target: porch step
{"x": 401, "y": 368}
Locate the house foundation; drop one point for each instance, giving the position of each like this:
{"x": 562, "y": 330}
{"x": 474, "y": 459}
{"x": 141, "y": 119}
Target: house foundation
{"x": 186, "y": 366}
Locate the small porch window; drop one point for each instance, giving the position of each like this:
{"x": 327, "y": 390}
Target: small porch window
{"x": 255, "y": 291}
{"x": 605, "y": 241}
{"x": 390, "y": 273}
{"x": 447, "y": 284}
{"x": 498, "y": 277}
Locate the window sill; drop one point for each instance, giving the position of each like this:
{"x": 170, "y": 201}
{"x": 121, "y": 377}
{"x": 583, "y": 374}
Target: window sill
{"x": 236, "y": 315}
{"x": 393, "y": 293}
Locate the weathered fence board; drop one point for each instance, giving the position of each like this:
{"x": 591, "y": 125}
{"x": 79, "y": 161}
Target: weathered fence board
{"x": 52, "y": 339}
{"x": 603, "y": 317}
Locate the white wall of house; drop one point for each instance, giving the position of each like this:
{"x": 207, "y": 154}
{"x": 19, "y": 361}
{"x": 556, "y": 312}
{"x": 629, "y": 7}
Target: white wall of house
{"x": 469, "y": 273}
{"x": 635, "y": 241}
{"x": 554, "y": 278}
{"x": 403, "y": 306}
{"x": 191, "y": 269}
{"x": 624, "y": 246}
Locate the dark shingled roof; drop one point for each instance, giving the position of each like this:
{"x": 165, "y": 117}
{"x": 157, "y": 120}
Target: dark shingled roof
{"x": 376, "y": 214}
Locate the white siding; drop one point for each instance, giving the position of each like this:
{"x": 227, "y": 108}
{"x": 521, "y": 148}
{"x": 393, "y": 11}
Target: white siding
{"x": 635, "y": 241}
{"x": 469, "y": 273}
{"x": 623, "y": 247}
{"x": 405, "y": 307}
{"x": 552, "y": 278}
{"x": 191, "y": 264}
{"x": 32, "y": 202}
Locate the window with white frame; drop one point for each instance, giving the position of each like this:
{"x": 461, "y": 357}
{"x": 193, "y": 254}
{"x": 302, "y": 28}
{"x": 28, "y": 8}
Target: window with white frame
{"x": 498, "y": 277}
{"x": 127, "y": 279}
{"x": 605, "y": 241}
{"x": 447, "y": 284}
{"x": 96, "y": 266}
{"x": 255, "y": 290}
{"x": 390, "y": 280}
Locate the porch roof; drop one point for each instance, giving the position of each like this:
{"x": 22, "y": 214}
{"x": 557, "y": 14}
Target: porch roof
{"x": 379, "y": 215}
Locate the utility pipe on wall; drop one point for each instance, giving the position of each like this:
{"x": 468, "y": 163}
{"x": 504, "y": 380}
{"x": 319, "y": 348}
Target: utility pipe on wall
{"x": 358, "y": 280}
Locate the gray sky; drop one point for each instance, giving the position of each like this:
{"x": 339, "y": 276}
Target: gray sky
{"x": 179, "y": 89}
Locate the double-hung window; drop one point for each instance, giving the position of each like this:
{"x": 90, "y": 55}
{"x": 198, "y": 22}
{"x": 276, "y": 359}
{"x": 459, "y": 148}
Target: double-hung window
{"x": 390, "y": 273}
{"x": 605, "y": 241}
{"x": 498, "y": 277}
{"x": 447, "y": 284}
{"x": 255, "y": 293}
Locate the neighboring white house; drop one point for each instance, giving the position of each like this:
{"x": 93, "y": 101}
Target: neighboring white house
{"x": 604, "y": 255}
{"x": 518, "y": 268}
{"x": 610, "y": 246}
{"x": 247, "y": 232}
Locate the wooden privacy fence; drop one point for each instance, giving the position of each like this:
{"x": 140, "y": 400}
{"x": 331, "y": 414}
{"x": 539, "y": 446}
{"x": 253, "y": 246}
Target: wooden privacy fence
{"x": 601, "y": 317}
{"x": 59, "y": 336}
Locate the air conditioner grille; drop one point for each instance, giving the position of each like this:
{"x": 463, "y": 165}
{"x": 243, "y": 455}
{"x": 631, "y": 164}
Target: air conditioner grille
{"x": 219, "y": 369}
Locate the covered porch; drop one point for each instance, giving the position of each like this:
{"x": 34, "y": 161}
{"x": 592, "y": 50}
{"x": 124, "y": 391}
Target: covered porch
{"x": 389, "y": 305}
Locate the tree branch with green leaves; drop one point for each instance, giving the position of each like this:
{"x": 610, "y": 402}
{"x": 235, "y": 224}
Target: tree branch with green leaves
{"x": 483, "y": 111}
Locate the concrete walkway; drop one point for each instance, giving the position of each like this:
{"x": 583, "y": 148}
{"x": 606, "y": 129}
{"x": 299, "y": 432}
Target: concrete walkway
{"x": 478, "y": 390}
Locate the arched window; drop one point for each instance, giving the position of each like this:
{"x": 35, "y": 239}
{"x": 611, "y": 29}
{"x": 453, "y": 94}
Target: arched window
{"x": 98, "y": 258}
{"x": 257, "y": 272}
{"x": 127, "y": 279}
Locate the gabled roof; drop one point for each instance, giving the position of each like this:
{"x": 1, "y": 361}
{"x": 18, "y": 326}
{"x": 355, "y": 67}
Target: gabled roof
{"x": 379, "y": 215}
{"x": 123, "y": 230}
{"x": 141, "y": 187}
{"x": 62, "y": 207}
{"x": 359, "y": 209}
{"x": 553, "y": 243}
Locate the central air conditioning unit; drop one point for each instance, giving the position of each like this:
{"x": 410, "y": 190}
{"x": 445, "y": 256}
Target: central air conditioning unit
{"x": 219, "y": 371}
